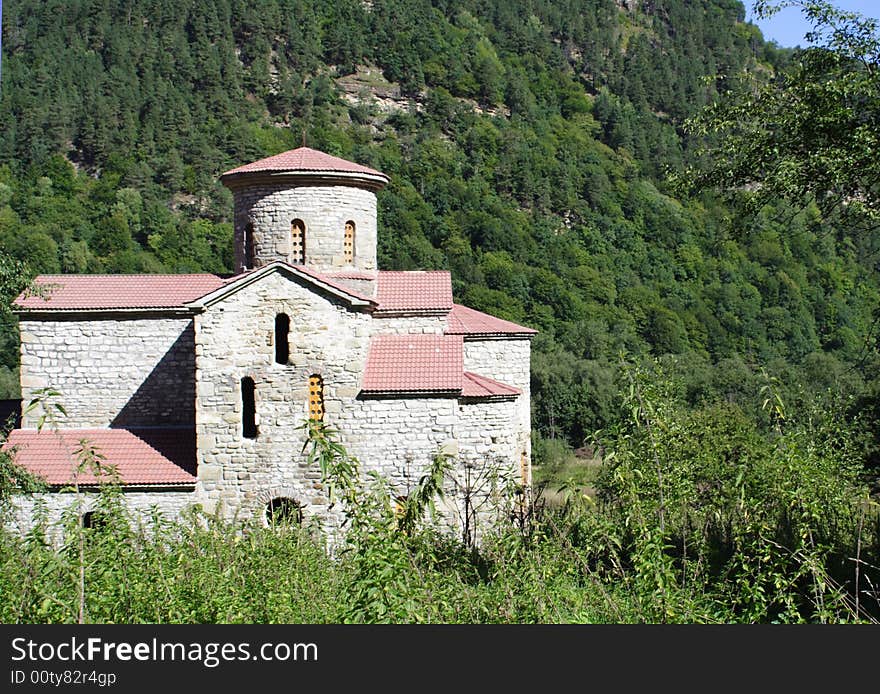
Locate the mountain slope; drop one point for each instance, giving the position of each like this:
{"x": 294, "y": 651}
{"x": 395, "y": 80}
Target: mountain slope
{"x": 527, "y": 148}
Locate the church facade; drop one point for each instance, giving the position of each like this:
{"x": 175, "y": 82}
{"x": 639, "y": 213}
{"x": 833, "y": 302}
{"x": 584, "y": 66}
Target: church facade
{"x": 196, "y": 387}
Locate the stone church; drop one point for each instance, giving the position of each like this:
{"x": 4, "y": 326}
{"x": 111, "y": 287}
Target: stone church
{"x": 195, "y": 387}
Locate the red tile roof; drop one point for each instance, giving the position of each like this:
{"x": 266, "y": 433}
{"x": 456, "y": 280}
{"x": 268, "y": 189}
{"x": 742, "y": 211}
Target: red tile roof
{"x": 414, "y": 363}
{"x": 72, "y": 292}
{"x": 168, "y": 458}
{"x": 331, "y": 281}
{"x": 419, "y": 290}
{"x": 476, "y": 386}
{"x": 467, "y": 321}
{"x": 304, "y": 159}
{"x": 107, "y": 292}
{"x": 351, "y": 275}
{"x": 428, "y": 291}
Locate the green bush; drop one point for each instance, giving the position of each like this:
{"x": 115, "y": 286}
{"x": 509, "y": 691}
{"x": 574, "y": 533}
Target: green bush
{"x": 704, "y": 516}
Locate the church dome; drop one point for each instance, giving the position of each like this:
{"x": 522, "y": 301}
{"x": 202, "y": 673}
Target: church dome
{"x": 305, "y": 162}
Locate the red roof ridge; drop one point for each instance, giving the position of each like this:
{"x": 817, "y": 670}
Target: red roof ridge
{"x": 148, "y": 291}
{"x": 256, "y": 274}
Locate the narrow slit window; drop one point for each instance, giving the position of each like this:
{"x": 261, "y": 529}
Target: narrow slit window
{"x": 282, "y": 338}
{"x": 248, "y": 408}
{"x": 297, "y": 242}
{"x": 316, "y": 398}
{"x": 348, "y": 242}
{"x": 249, "y": 246}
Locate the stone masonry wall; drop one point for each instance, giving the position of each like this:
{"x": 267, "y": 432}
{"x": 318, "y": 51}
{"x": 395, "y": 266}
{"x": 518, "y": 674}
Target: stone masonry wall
{"x": 113, "y": 371}
{"x": 487, "y": 433}
{"x": 235, "y": 339}
{"x": 408, "y": 325}
{"x": 364, "y": 287}
{"x": 489, "y": 463}
{"x": 27, "y": 508}
{"x": 399, "y": 438}
{"x": 323, "y": 209}
{"x": 396, "y": 437}
{"x": 508, "y": 361}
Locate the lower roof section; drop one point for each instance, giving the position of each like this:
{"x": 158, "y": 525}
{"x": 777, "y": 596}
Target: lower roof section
{"x": 424, "y": 365}
{"x": 469, "y": 322}
{"x": 477, "y": 386}
{"x": 414, "y": 363}
{"x": 140, "y": 457}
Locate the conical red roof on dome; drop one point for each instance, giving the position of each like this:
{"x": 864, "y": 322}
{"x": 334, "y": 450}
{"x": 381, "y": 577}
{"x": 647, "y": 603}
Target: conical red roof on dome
{"x": 305, "y": 159}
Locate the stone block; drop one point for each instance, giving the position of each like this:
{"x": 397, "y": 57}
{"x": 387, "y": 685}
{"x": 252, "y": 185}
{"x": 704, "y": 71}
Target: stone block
{"x": 32, "y": 381}
{"x": 449, "y": 447}
{"x": 209, "y": 473}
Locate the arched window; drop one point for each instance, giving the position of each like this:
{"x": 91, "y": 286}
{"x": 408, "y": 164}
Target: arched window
{"x": 298, "y": 242}
{"x": 282, "y": 338}
{"x": 348, "y": 242}
{"x": 248, "y": 409}
{"x": 249, "y": 246}
{"x": 283, "y": 511}
{"x": 316, "y": 398}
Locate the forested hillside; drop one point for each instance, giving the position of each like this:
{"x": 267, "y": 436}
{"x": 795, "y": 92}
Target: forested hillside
{"x": 529, "y": 146}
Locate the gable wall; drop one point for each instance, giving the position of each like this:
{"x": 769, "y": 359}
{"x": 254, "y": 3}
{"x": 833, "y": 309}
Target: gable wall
{"x": 399, "y": 438}
{"x": 396, "y": 437}
{"x": 234, "y": 339}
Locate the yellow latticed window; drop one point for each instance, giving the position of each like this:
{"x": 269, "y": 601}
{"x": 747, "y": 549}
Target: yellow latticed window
{"x": 316, "y": 398}
{"x": 297, "y": 242}
{"x": 399, "y": 506}
{"x": 348, "y": 242}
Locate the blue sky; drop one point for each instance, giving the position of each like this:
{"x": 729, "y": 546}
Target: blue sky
{"x": 788, "y": 27}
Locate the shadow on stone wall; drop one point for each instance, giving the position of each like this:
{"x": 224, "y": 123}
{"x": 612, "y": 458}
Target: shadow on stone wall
{"x": 168, "y": 395}
{"x": 178, "y": 444}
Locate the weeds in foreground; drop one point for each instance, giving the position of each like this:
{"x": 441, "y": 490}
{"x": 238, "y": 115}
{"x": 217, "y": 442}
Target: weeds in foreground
{"x": 701, "y": 517}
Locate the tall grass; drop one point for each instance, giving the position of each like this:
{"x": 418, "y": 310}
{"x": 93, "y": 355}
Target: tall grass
{"x": 702, "y": 516}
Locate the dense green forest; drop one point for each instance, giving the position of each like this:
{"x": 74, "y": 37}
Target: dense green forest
{"x": 722, "y": 354}
{"x": 529, "y": 149}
